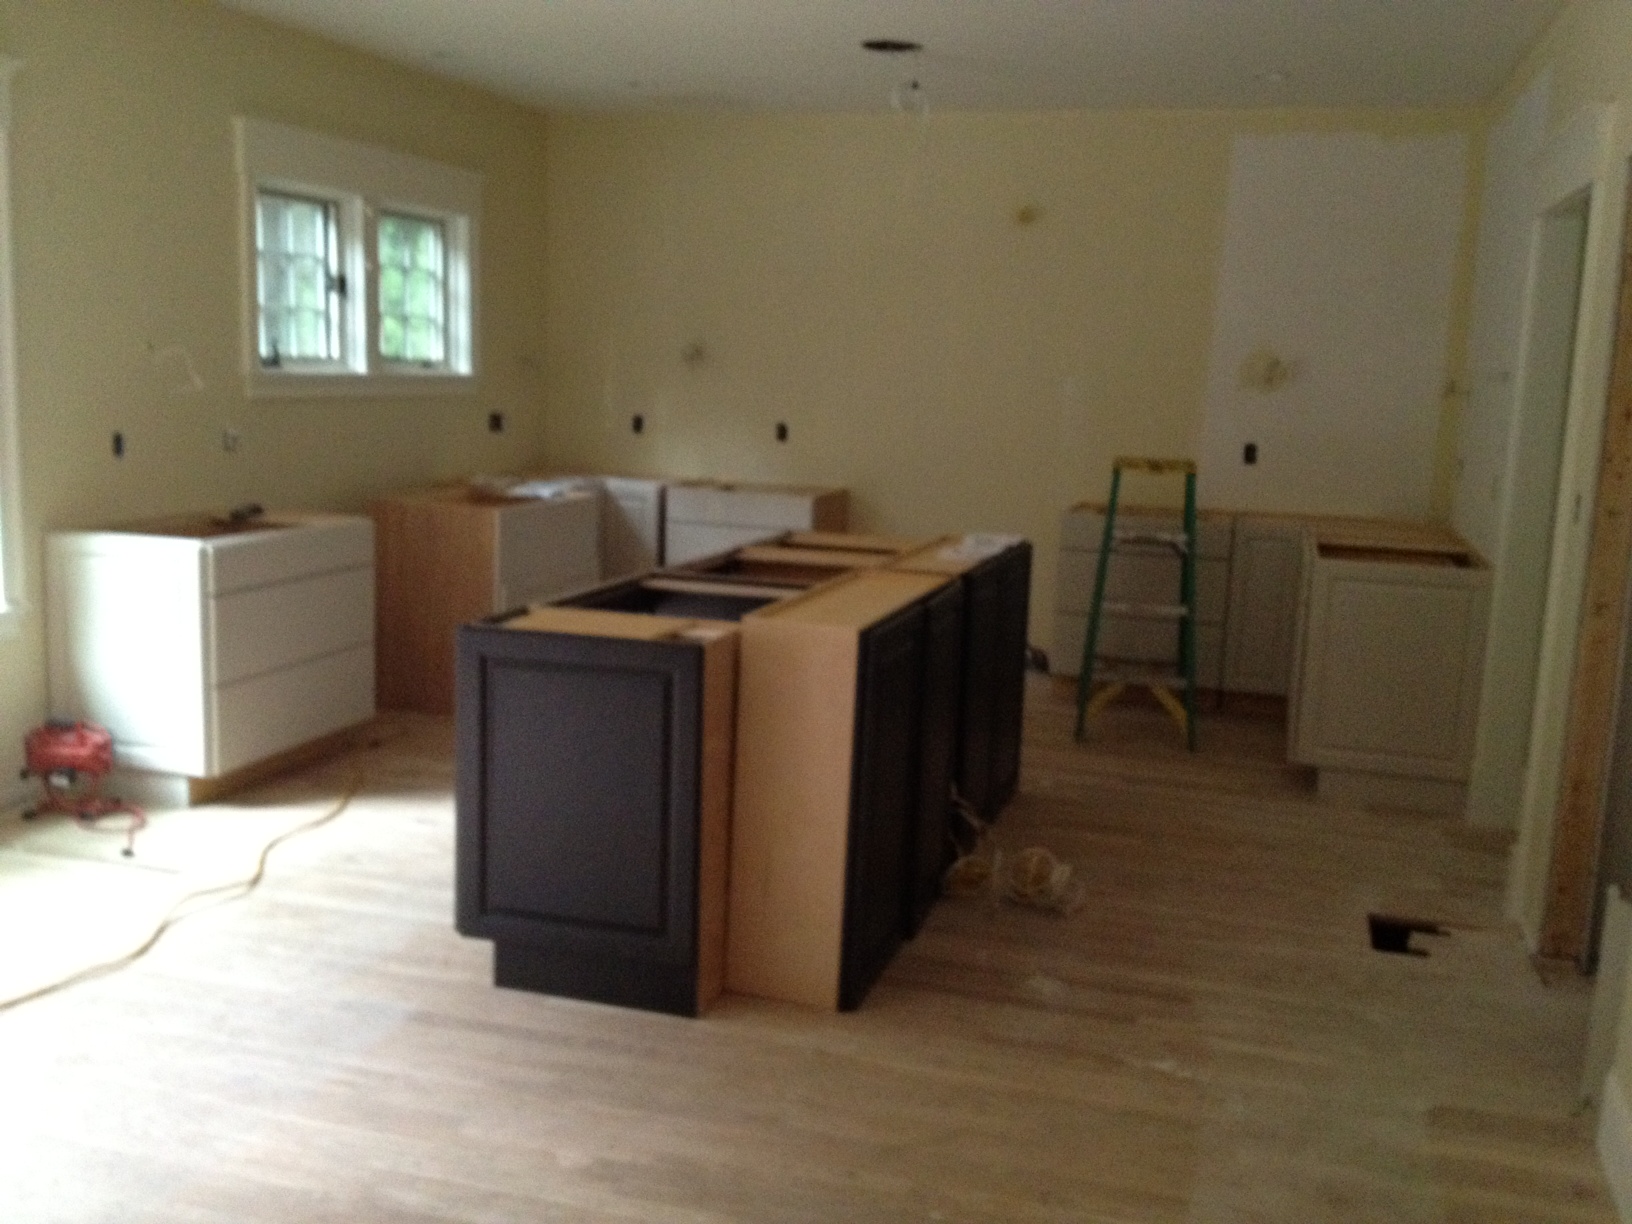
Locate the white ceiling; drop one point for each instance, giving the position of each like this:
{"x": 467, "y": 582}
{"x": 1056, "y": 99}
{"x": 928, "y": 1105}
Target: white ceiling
{"x": 978, "y": 54}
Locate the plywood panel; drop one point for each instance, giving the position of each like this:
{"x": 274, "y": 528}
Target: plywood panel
{"x": 795, "y": 735}
{"x": 434, "y": 570}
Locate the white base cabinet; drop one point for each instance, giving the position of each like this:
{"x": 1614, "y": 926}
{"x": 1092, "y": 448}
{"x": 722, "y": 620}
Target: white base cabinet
{"x": 1386, "y": 680}
{"x": 205, "y": 653}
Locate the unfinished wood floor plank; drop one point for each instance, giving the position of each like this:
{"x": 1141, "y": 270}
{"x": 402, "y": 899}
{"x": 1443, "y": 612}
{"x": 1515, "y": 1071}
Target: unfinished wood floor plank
{"x": 1210, "y": 1039}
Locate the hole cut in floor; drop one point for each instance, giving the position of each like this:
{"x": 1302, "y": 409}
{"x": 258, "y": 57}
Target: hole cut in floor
{"x": 1390, "y": 933}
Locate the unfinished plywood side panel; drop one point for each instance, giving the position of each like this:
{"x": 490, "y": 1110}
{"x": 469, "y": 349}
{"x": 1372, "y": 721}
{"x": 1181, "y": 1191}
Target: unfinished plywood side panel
{"x": 795, "y": 735}
{"x": 434, "y": 566}
{"x": 592, "y": 622}
{"x": 1578, "y": 828}
{"x": 714, "y": 807}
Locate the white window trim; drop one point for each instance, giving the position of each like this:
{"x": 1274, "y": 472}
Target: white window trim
{"x": 362, "y": 179}
{"x": 13, "y": 604}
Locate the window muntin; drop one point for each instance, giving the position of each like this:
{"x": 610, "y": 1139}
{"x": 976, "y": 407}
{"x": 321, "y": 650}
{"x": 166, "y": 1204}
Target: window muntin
{"x": 300, "y": 286}
{"x": 412, "y": 318}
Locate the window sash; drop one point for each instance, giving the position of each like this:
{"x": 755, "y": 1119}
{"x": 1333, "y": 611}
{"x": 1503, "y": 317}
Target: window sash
{"x": 411, "y": 290}
{"x": 300, "y": 285}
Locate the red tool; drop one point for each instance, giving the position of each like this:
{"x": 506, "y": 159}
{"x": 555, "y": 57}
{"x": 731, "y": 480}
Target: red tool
{"x": 71, "y": 759}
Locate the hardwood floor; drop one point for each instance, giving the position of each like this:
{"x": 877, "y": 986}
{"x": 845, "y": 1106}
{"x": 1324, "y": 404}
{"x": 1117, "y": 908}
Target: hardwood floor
{"x": 1210, "y": 1038}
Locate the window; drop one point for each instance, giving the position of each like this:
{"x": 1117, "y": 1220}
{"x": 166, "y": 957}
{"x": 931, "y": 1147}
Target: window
{"x": 359, "y": 267}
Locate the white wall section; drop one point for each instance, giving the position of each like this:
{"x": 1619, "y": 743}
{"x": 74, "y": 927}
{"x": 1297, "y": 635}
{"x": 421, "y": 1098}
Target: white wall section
{"x": 1332, "y": 321}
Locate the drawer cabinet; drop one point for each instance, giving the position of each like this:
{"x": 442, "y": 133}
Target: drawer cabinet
{"x": 206, "y": 648}
{"x": 451, "y": 554}
{"x": 592, "y": 803}
{"x": 703, "y": 517}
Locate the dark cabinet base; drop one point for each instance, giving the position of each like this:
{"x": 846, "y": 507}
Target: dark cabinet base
{"x": 596, "y": 977}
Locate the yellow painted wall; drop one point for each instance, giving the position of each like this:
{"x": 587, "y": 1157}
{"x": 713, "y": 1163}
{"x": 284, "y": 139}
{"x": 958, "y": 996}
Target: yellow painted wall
{"x": 962, "y": 320}
{"x": 126, "y": 237}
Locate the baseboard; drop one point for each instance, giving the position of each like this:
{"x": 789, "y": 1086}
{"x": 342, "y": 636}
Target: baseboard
{"x": 1615, "y": 1145}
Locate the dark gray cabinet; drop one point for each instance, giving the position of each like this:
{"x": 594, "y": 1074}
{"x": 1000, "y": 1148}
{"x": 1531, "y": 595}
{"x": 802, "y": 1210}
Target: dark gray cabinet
{"x": 582, "y": 797}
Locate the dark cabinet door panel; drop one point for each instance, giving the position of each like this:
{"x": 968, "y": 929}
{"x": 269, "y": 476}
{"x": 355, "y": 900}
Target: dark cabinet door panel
{"x": 577, "y": 809}
{"x": 942, "y": 688}
{"x": 883, "y": 806}
{"x": 1010, "y": 696}
{"x": 577, "y": 792}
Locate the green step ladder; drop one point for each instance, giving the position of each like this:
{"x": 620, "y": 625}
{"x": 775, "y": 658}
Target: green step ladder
{"x": 1114, "y": 678}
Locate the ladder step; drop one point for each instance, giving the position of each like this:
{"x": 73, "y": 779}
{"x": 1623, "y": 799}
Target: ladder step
{"x": 1147, "y": 610}
{"x": 1158, "y": 467}
{"x": 1176, "y": 540}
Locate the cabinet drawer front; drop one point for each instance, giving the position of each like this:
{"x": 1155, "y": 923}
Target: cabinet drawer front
{"x": 268, "y": 627}
{"x": 272, "y": 712}
{"x": 1141, "y": 577}
{"x": 544, "y": 549}
{"x": 688, "y": 541}
{"x": 775, "y": 510}
{"x": 233, "y": 563}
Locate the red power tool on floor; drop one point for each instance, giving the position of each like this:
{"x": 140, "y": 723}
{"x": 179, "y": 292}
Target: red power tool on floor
{"x": 71, "y": 759}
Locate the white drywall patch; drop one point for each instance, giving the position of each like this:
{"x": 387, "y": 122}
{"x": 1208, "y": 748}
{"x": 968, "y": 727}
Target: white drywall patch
{"x": 1331, "y": 322}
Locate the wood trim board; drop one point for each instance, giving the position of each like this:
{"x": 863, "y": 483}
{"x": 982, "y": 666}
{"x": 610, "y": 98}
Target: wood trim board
{"x": 1578, "y": 824}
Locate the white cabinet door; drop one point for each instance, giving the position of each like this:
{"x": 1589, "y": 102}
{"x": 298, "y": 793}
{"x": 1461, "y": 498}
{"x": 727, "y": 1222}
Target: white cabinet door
{"x": 1266, "y": 577}
{"x": 1391, "y": 664}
